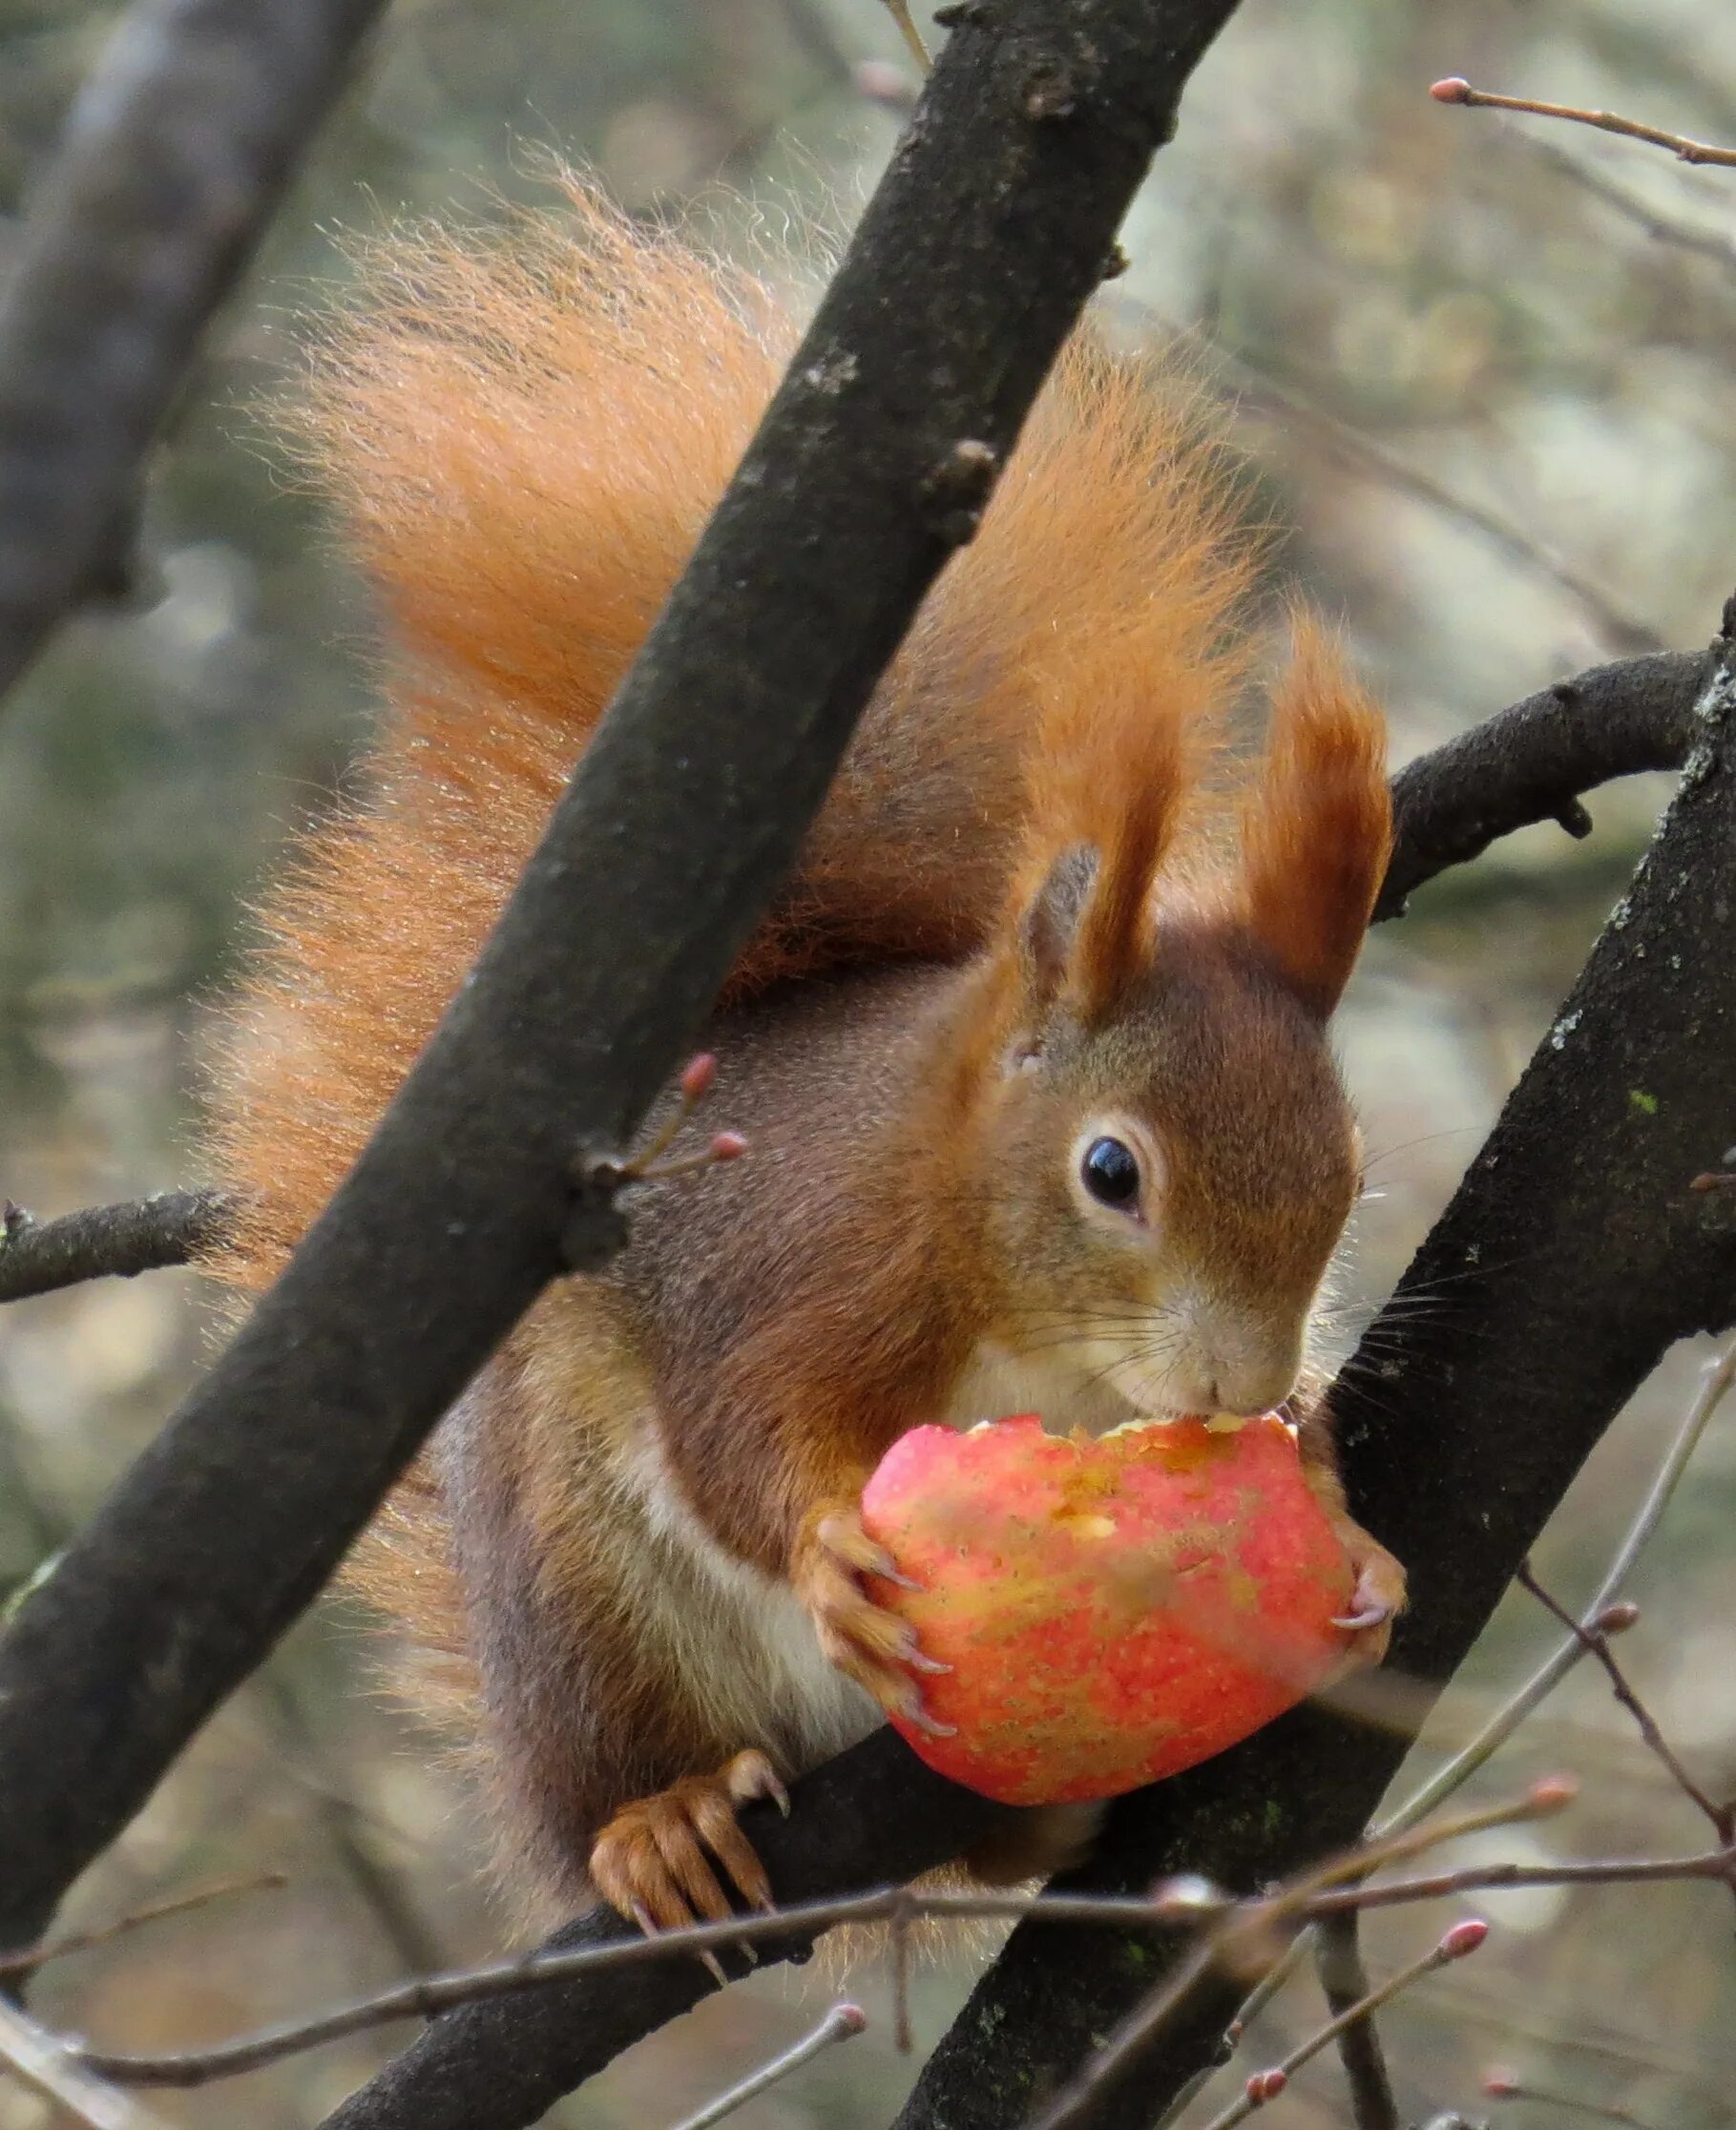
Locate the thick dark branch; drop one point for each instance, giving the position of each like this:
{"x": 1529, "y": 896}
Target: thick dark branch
{"x": 174, "y": 159}
{"x": 143, "y": 1235}
{"x": 1573, "y": 1255}
{"x": 1345, "y": 1980}
{"x": 992, "y": 228}
{"x": 1534, "y": 762}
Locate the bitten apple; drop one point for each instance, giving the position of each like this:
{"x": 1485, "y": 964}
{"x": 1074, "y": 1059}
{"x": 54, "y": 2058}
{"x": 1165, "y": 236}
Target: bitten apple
{"x": 1115, "y": 1609}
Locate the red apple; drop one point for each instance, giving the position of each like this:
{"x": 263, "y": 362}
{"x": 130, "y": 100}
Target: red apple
{"x": 1114, "y": 1608}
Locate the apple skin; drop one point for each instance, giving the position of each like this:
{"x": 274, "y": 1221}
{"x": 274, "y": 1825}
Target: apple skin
{"x": 1115, "y": 1609}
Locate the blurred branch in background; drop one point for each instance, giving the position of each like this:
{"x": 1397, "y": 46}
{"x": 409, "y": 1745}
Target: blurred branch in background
{"x": 174, "y": 159}
{"x": 1458, "y": 91}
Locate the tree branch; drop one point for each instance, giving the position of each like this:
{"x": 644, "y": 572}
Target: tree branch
{"x": 1573, "y": 1255}
{"x": 173, "y": 160}
{"x": 993, "y": 223}
{"x": 142, "y": 1235}
{"x": 1533, "y": 762}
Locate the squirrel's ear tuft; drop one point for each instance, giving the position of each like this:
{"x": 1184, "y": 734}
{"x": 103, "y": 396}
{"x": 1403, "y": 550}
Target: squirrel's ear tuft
{"x": 1317, "y": 829}
{"x": 1112, "y": 778}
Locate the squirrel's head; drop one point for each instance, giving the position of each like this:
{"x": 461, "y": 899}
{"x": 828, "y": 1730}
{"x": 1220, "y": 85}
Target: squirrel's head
{"x": 1171, "y": 1154}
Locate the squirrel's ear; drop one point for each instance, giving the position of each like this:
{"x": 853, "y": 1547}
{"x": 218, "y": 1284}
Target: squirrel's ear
{"x": 1317, "y": 830}
{"x": 1051, "y": 923}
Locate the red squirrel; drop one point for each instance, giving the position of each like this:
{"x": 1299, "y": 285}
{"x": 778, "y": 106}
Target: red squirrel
{"x": 1031, "y": 1054}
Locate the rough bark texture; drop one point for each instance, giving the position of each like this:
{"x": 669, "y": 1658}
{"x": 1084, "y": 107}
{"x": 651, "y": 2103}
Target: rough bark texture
{"x": 175, "y": 156}
{"x": 142, "y": 1235}
{"x": 1573, "y": 1255}
{"x": 1533, "y": 762}
{"x": 989, "y": 232}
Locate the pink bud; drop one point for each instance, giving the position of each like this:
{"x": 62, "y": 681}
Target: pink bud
{"x": 1464, "y": 1937}
{"x": 1615, "y": 1619}
{"x": 1267, "y": 2085}
{"x": 697, "y": 1079}
{"x": 1454, "y": 89}
{"x": 728, "y": 1146}
{"x": 850, "y": 2018}
{"x": 883, "y": 83}
{"x": 1500, "y": 2085}
{"x": 1552, "y": 1793}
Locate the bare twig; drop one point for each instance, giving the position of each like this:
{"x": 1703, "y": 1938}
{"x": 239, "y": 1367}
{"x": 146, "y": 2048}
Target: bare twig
{"x": 17, "y": 1965}
{"x": 1593, "y": 1636}
{"x": 1345, "y": 1980}
{"x": 1462, "y": 1940}
{"x": 900, "y": 13}
{"x": 1623, "y": 631}
{"x": 1663, "y": 228}
{"x": 172, "y": 163}
{"x": 1237, "y": 1929}
{"x": 1456, "y": 90}
{"x": 53, "y": 2067}
{"x": 142, "y": 1235}
{"x": 1713, "y": 1389}
{"x": 839, "y": 2025}
{"x": 1503, "y": 2085}
{"x": 1250, "y": 1936}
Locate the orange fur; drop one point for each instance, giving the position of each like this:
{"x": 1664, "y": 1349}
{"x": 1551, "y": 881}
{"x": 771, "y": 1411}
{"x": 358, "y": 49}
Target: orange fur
{"x": 523, "y": 437}
{"x": 1317, "y": 828}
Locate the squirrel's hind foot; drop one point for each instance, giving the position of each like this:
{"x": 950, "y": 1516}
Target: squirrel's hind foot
{"x": 659, "y": 1859}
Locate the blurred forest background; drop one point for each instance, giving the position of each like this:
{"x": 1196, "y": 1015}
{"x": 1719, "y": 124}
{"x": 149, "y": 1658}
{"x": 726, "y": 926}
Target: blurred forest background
{"x": 1483, "y": 367}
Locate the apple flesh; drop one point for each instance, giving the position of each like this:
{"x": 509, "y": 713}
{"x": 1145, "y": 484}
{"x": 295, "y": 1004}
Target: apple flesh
{"x": 1115, "y": 1609}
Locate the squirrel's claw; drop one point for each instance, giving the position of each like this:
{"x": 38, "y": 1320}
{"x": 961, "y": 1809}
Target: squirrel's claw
{"x": 1378, "y": 1598}
{"x": 657, "y": 1861}
{"x": 865, "y": 1640}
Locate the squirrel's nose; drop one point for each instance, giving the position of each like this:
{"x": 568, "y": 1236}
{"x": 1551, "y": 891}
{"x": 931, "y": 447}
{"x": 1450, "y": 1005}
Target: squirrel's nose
{"x": 1247, "y": 1391}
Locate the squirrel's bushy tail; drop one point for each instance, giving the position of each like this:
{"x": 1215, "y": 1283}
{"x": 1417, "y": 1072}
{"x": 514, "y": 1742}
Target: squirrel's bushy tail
{"x": 523, "y": 435}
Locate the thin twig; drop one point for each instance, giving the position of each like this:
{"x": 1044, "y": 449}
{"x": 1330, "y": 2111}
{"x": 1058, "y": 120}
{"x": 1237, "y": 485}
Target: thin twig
{"x": 1661, "y": 227}
{"x": 14, "y": 1965}
{"x": 100, "y": 1241}
{"x": 1594, "y": 1638}
{"x": 1317, "y": 1895}
{"x": 837, "y": 2025}
{"x": 1462, "y": 1939}
{"x": 1429, "y": 1796}
{"x": 1623, "y": 631}
{"x": 1456, "y": 90}
{"x": 53, "y": 2067}
{"x": 1502, "y": 2086}
{"x": 1345, "y": 1980}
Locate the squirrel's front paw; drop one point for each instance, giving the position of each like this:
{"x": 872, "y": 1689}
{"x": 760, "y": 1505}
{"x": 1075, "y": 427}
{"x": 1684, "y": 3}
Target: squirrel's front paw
{"x": 868, "y": 1643}
{"x": 1378, "y": 1597}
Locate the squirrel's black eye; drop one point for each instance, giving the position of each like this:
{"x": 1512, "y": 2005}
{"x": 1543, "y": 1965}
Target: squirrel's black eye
{"x": 1109, "y": 1172}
